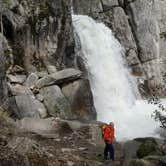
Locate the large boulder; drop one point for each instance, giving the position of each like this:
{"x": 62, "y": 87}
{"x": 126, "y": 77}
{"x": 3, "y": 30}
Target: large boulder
{"x": 17, "y": 89}
{"x": 59, "y": 77}
{"x": 148, "y": 146}
{"x": 55, "y": 102}
{"x": 109, "y": 4}
{"x": 80, "y": 97}
{"x": 16, "y": 78}
{"x": 48, "y": 128}
{"x": 31, "y": 80}
{"x": 27, "y": 106}
{"x": 130, "y": 151}
{"x": 147, "y": 20}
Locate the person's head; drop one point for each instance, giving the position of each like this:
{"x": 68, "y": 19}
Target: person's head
{"x": 103, "y": 126}
{"x": 111, "y": 124}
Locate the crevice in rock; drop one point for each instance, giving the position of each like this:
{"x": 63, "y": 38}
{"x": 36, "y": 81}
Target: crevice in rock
{"x": 127, "y": 2}
{"x": 121, "y": 4}
{"x": 107, "y": 8}
{"x": 8, "y": 29}
{"x": 131, "y": 21}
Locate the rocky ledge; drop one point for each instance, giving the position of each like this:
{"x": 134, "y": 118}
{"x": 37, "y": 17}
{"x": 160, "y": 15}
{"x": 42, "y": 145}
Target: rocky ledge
{"x": 52, "y": 141}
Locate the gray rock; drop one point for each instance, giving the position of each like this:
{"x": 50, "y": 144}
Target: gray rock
{"x": 40, "y": 97}
{"x": 124, "y": 33}
{"x": 51, "y": 69}
{"x": 17, "y": 89}
{"x": 42, "y": 74}
{"x": 109, "y": 4}
{"x": 22, "y": 145}
{"x": 31, "y": 80}
{"x": 130, "y": 151}
{"x": 140, "y": 162}
{"x": 148, "y": 146}
{"x": 49, "y": 127}
{"x": 87, "y": 7}
{"x": 75, "y": 125}
{"x": 146, "y": 28}
{"x": 80, "y": 97}
{"x": 148, "y": 21}
{"x": 55, "y": 102}
{"x": 27, "y": 106}
{"x": 16, "y": 78}
{"x": 163, "y": 148}
{"x": 62, "y": 76}
{"x": 157, "y": 160}
{"x": 41, "y": 109}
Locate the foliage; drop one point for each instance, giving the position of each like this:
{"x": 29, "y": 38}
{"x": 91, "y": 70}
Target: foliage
{"x": 146, "y": 149}
{"x": 163, "y": 35}
{"x": 160, "y": 113}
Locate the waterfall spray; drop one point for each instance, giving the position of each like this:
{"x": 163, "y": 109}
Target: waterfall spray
{"x": 113, "y": 88}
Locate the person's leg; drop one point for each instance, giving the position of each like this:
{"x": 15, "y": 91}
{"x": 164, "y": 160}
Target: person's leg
{"x": 111, "y": 151}
{"x": 106, "y": 151}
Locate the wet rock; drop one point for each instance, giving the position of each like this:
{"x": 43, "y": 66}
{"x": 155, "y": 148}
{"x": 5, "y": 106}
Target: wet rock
{"x": 59, "y": 77}
{"x": 148, "y": 146}
{"x": 55, "y": 102}
{"x": 80, "y": 97}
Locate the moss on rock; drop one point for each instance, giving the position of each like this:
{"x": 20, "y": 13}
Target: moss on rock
{"x": 145, "y": 149}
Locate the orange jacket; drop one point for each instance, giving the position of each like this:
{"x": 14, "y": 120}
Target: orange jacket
{"x": 109, "y": 134}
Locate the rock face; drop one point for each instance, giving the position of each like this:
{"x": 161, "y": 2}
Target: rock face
{"x": 55, "y": 102}
{"x": 3, "y": 85}
{"x": 26, "y": 106}
{"x": 61, "y": 77}
{"x": 38, "y": 50}
{"x": 80, "y": 98}
{"x": 45, "y": 37}
{"x": 138, "y": 25}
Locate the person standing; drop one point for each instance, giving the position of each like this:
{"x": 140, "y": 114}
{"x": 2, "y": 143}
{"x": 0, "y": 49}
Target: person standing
{"x": 108, "y": 136}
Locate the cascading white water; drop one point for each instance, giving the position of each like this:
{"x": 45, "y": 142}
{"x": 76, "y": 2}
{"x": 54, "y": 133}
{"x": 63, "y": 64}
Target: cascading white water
{"x": 111, "y": 83}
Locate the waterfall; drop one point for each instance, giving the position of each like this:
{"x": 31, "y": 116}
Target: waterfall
{"x": 112, "y": 85}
